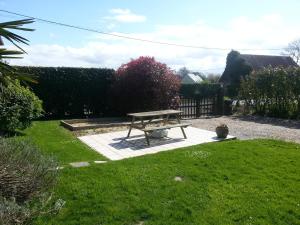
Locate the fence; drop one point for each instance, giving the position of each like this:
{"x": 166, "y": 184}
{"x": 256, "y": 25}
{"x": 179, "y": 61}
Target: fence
{"x": 207, "y": 100}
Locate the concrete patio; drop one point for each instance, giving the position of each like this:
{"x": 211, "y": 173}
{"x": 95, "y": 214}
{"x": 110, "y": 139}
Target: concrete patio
{"x": 114, "y": 146}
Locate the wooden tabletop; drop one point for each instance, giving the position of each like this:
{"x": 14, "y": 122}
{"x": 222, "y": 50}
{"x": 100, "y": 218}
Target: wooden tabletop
{"x": 155, "y": 113}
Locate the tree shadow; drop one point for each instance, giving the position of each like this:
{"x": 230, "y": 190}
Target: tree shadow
{"x": 141, "y": 144}
{"x": 293, "y": 124}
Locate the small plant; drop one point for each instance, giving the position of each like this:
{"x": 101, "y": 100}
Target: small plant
{"x": 222, "y": 131}
{"x": 26, "y": 179}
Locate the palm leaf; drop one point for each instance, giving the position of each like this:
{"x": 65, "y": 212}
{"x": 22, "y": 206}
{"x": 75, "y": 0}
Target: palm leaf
{"x": 8, "y": 72}
{"x": 12, "y": 37}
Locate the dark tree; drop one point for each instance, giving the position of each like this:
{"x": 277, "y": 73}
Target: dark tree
{"x": 236, "y": 69}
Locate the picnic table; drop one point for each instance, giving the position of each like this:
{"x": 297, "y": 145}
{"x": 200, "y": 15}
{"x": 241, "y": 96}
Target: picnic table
{"x": 143, "y": 121}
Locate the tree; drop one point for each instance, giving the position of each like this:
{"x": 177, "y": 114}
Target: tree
{"x": 236, "y": 69}
{"x": 144, "y": 84}
{"x": 7, "y": 72}
{"x": 182, "y": 72}
{"x": 293, "y": 50}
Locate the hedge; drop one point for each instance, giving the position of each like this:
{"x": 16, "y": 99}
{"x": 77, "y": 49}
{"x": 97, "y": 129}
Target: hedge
{"x": 201, "y": 90}
{"x": 72, "y": 92}
{"x": 273, "y": 92}
{"x": 87, "y": 92}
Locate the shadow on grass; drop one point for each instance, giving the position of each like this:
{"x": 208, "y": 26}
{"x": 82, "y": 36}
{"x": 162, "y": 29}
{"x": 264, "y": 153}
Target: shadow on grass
{"x": 11, "y": 134}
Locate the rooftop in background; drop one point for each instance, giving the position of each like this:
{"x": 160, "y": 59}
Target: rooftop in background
{"x": 191, "y": 79}
{"x": 259, "y": 61}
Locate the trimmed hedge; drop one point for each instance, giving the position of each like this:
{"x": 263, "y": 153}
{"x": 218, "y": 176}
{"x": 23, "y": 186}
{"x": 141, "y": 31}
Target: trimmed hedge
{"x": 201, "y": 90}
{"x": 72, "y": 92}
{"x": 87, "y": 92}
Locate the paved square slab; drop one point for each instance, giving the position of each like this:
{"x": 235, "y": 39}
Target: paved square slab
{"x": 114, "y": 146}
{"x": 79, "y": 164}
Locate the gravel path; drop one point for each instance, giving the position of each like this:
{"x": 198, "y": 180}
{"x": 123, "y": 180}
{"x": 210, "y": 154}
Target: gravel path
{"x": 249, "y": 127}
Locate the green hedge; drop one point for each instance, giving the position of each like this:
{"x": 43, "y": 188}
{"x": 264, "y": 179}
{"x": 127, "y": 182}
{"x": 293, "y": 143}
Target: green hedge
{"x": 72, "y": 92}
{"x": 86, "y": 92}
{"x": 273, "y": 92}
{"x": 201, "y": 90}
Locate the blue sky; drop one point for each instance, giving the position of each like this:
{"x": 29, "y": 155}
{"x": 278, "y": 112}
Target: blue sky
{"x": 258, "y": 24}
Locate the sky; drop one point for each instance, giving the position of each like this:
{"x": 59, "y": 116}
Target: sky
{"x": 249, "y": 26}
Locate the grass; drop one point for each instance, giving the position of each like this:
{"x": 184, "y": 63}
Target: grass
{"x": 234, "y": 182}
{"x": 59, "y": 142}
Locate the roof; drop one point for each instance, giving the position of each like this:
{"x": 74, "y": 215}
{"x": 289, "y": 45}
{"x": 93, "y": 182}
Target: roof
{"x": 259, "y": 61}
{"x": 191, "y": 79}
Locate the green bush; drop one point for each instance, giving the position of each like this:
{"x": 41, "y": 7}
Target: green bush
{"x": 201, "y": 90}
{"x": 72, "y": 92}
{"x": 273, "y": 92}
{"x": 26, "y": 179}
{"x": 18, "y": 107}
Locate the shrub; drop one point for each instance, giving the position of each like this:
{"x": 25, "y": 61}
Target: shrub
{"x": 144, "y": 84}
{"x": 26, "y": 178}
{"x": 201, "y": 90}
{"x": 18, "y": 106}
{"x": 273, "y": 92}
{"x": 72, "y": 92}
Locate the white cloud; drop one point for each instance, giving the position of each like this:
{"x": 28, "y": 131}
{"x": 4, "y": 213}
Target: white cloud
{"x": 125, "y": 16}
{"x": 266, "y": 32}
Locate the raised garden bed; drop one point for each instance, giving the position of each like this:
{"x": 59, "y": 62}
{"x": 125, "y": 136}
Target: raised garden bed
{"x": 86, "y": 124}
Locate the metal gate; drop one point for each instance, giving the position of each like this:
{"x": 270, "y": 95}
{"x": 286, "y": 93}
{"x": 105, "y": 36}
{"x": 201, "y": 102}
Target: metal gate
{"x": 194, "y": 108}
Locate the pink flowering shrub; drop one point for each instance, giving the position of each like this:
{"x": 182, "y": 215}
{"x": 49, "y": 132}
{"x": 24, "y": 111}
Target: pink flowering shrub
{"x": 144, "y": 84}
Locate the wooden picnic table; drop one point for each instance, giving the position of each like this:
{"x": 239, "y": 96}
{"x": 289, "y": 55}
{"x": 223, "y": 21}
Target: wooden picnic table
{"x": 143, "y": 120}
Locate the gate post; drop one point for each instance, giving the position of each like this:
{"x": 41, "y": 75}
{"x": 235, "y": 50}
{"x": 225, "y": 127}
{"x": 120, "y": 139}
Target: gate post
{"x": 220, "y": 102}
{"x": 197, "y": 107}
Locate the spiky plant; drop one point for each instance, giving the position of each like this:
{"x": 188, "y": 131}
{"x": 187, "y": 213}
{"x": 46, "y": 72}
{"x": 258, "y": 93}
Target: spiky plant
{"x": 6, "y": 71}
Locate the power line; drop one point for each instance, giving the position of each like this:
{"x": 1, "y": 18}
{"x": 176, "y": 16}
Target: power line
{"x": 124, "y": 36}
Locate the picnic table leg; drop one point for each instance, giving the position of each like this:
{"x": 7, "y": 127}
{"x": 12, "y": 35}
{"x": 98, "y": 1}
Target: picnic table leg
{"x": 147, "y": 138}
{"x": 130, "y": 127}
{"x": 178, "y": 120}
{"x": 184, "y": 135}
{"x": 166, "y": 119}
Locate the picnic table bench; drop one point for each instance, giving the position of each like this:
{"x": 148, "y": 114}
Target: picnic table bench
{"x": 145, "y": 119}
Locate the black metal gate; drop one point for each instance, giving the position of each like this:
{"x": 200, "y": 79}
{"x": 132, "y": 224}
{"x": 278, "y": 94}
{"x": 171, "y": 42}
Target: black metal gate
{"x": 197, "y": 107}
{"x": 201, "y": 99}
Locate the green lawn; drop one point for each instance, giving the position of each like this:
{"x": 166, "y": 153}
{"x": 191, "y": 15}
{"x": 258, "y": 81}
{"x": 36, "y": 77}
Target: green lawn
{"x": 234, "y": 182}
{"x": 59, "y": 142}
